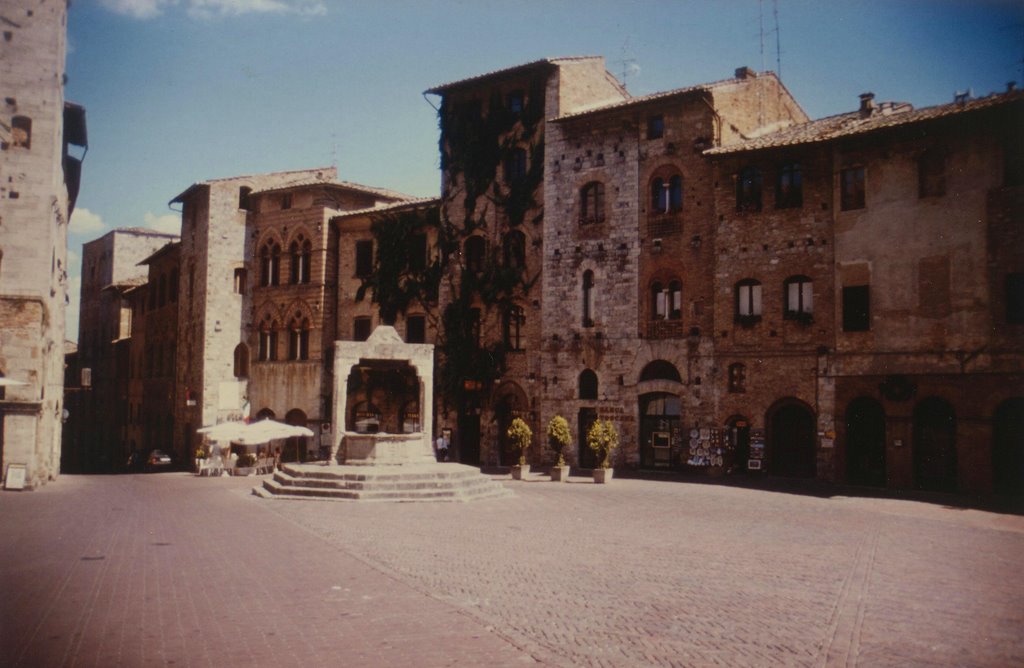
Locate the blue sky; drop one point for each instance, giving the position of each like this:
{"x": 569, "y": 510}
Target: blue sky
{"x": 179, "y": 91}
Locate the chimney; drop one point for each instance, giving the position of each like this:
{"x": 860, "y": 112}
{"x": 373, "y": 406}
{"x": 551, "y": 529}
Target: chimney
{"x": 1011, "y": 86}
{"x": 867, "y": 104}
{"x": 745, "y": 73}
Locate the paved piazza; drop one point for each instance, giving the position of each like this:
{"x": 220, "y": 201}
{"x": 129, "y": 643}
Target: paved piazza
{"x": 169, "y": 569}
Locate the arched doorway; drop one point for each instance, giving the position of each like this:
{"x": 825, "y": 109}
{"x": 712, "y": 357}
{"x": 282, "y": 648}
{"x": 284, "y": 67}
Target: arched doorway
{"x": 1008, "y": 449}
{"x": 865, "y": 442}
{"x": 935, "y": 446}
{"x": 512, "y": 405}
{"x": 660, "y": 429}
{"x": 738, "y": 433}
{"x": 791, "y": 440}
{"x": 585, "y": 419}
{"x": 295, "y": 448}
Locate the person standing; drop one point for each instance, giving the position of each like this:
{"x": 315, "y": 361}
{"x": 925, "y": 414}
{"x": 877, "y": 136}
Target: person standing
{"x": 441, "y": 447}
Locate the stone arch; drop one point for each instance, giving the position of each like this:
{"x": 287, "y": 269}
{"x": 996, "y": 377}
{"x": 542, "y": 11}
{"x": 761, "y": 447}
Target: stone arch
{"x": 660, "y": 369}
{"x": 588, "y": 385}
{"x": 295, "y": 448}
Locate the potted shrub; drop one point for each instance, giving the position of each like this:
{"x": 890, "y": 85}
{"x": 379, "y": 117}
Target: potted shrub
{"x": 246, "y": 464}
{"x": 519, "y": 436}
{"x": 558, "y": 439}
{"x": 602, "y": 439}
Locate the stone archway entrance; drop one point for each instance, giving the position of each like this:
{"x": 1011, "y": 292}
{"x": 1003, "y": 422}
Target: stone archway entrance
{"x": 511, "y": 405}
{"x": 585, "y": 419}
{"x": 660, "y": 429}
{"x": 935, "y": 467}
{"x": 791, "y": 440}
{"x": 865, "y": 443}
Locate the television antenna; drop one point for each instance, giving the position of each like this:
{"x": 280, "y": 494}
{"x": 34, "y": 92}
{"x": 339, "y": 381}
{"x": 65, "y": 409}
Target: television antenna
{"x": 628, "y": 62}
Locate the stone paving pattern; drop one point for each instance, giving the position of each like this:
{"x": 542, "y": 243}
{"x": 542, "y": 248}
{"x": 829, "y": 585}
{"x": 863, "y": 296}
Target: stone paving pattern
{"x": 170, "y": 569}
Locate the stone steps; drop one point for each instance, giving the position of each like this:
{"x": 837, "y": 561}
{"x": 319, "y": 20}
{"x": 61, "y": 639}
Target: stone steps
{"x": 422, "y": 482}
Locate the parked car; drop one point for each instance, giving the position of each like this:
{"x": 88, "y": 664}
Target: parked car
{"x": 153, "y": 460}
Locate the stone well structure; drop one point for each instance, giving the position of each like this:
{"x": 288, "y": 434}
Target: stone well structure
{"x": 382, "y": 450}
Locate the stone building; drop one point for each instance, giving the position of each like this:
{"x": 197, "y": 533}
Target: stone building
{"x": 887, "y": 347}
{"x": 628, "y": 288}
{"x": 494, "y": 157}
{"x": 98, "y": 408}
{"x": 42, "y": 141}
{"x": 297, "y": 266}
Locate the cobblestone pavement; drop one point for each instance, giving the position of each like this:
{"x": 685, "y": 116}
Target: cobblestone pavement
{"x": 154, "y": 570}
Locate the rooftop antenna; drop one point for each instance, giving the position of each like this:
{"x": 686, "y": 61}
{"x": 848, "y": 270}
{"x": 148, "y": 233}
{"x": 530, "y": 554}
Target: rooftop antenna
{"x": 778, "y": 40}
{"x": 628, "y": 62}
{"x": 334, "y": 151}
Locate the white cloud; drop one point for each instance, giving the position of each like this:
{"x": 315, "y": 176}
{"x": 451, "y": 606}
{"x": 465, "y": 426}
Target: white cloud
{"x": 169, "y": 223}
{"x": 84, "y": 221}
{"x": 137, "y": 9}
{"x": 207, "y": 9}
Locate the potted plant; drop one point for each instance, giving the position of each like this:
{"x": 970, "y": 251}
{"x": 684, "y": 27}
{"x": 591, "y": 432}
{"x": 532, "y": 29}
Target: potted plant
{"x": 201, "y": 455}
{"x": 558, "y": 438}
{"x": 246, "y": 464}
{"x": 519, "y": 436}
{"x": 602, "y": 439}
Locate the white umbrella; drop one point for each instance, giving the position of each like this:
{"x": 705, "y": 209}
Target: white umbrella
{"x": 225, "y": 431}
{"x": 264, "y": 431}
{"x": 10, "y": 382}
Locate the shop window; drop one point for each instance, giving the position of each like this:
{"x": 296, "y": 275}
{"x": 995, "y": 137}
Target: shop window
{"x": 416, "y": 329}
{"x": 241, "y": 361}
{"x": 361, "y": 328}
{"x": 301, "y": 251}
{"x": 240, "y": 280}
{"x": 21, "y": 132}
{"x": 851, "y": 188}
{"x": 931, "y": 173}
{"x": 514, "y": 250}
{"x": 737, "y": 378}
{"x": 856, "y": 308}
{"x": 748, "y": 301}
{"x": 515, "y": 165}
{"x": 270, "y": 264}
{"x": 789, "y": 188}
{"x": 798, "y": 294}
{"x": 588, "y": 385}
{"x": 474, "y": 254}
{"x": 655, "y": 127}
{"x": 588, "y": 298}
{"x": 514, "y": 323}
{"x": 592, "y": 203}
{"x": 1015, "y": 298}
{"x": 748, "y": 189}
{"x": 364, "y": 258}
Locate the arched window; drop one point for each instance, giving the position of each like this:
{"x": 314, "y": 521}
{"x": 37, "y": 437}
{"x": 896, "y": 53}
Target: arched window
{"x": 298, "y": 338}
{"x": 514, "y": 249}
{"x": 268, "y": 340}
{"x": 265, "y": 414}
{"x": 748, "y": 189}
{"x": 592, "y": 203}
{"x": 241, "y": 361}
{"x": 301, "y": 252}
{"x": 798, "y": 293}
{"x": 748, "y": 299}
{"x": 660, "y": 370}
{"x": 474, "y": 254}
{"x": 270, "y": 264}
{"x": 667, "y": 301}
{"x": 588, "y": 385}
{"x": 667, "y": 194}
{"x": 588, "y": 298}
